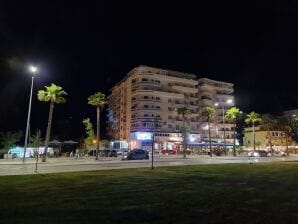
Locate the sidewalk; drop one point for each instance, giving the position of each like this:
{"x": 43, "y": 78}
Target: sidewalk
{"x": 60, "y": 160}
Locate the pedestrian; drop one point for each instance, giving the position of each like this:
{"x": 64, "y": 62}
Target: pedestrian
{"x": 77, "y": 153}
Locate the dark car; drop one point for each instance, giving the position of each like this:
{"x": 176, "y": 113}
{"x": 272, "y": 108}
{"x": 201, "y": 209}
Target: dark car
{"x": 137, "y": 154}
{"x": 112, "y": 153}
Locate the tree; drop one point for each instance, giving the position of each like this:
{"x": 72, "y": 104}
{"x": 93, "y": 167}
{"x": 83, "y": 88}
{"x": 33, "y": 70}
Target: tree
{"x": 9, "y": 139}
{"x": 97, "y": 100}
{"x": 209, "y": 113}
{"x": 269, "y": 123}
{"x": 35, "y": 139}
{"x": 288, "y": 126}
{"x": 184, "y": 111}
{"x": 233, "y": 114}
{"x": 293, "y": 124}
{"x": 89, "y": 131}
{"x": 253, "y": 118}
{"x": 55, "y": 95}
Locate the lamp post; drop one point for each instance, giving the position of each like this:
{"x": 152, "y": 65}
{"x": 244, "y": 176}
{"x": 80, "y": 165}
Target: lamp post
{"x": 94, "y": 142}
{"x": 229, "y": 101}
{"x": 33, "y": 70}
{"x": 153, "y": 141}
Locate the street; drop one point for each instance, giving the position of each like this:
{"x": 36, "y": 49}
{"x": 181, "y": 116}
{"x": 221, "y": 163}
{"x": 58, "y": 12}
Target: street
{"x": 66, "y": 164}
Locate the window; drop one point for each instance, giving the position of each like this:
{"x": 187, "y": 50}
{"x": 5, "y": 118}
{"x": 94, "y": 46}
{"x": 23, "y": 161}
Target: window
{"x": 157, "y": 98}
{"x": 170, "y": 108}
{"x": 169, "y": 101}
{"x": 177, "y": 127}
{"x": 145, "y": 115}
{"x": 144, "y": 80}
{"x": 146, "y": 97}
{"x": 145, "y": 106}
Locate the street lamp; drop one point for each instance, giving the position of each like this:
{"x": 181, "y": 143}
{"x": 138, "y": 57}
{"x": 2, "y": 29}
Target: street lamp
{"x": 33, "y": 70}
{"x": 229, "y": 101}
{"x": 94, "y": 142}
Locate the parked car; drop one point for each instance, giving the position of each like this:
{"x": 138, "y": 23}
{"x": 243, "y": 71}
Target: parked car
{"x": 259, "y": 153}
{"x": 113, "y": 153}
{"x": 136, "y": 154}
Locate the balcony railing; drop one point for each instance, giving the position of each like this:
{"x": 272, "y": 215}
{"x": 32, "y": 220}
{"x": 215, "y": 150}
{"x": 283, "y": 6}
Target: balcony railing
{"x": 145, "y": 100}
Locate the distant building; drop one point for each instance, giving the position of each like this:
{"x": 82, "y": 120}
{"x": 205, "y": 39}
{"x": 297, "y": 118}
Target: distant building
{"x": 145, "y": 102}
{"x": 278, "y": 138}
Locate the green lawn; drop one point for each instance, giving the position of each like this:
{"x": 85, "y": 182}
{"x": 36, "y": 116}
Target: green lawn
{"x": 258, "y": 193}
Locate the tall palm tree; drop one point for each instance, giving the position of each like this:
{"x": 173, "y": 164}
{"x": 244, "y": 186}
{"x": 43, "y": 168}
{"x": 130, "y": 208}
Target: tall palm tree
{"x": 209, "y": 113}
{"x": 184, "y": 111}
{"x": 55, "y": 95}
{"x": 233, "y": 114}
{"x": 98, "y": 100}
{"x": 269, "y": 122}
{"x": 253, "y": 118}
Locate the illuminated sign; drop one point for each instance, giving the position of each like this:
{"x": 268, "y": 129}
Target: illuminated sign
{"x": 143, "y": 135}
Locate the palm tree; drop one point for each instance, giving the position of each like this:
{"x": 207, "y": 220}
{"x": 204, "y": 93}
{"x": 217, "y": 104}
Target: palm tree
{"x": 98, "y": 100}
{"x": 184, "y": 111}
{"x": 209, "y": 113}
{"x": 53, "y": 94}
{"x": 233, "y": 114}
{"x": 253, "y": 118}
{"x": 269, "y": 122}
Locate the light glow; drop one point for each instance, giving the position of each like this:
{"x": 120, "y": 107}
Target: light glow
{"x": 144, "y": 135}
{"x": 33, "y": 69}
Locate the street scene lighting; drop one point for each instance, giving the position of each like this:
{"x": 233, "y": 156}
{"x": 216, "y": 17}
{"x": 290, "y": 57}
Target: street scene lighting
{"x": 33, "y": 70}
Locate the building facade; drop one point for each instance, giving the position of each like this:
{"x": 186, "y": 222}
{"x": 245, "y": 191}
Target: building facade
{"x": 277, "y": 137}
{"x": 144, "y": 104}
{"x": 219, "y": 95}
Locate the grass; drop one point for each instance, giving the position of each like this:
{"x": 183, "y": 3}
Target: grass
{"x": 233, "y": 193}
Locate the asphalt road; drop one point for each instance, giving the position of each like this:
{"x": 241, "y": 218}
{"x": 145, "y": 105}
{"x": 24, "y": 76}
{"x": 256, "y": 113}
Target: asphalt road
{"x": 56, "y": 165}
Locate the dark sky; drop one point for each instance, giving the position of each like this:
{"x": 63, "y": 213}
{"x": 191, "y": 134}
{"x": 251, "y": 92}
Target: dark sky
{"x": 90, "y": 46}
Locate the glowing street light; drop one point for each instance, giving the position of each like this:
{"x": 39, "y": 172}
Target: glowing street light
{"x": 33, "y": 70}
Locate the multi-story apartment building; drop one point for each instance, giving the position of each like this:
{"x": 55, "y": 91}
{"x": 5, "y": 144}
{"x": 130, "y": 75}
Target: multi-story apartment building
{"x": 146, "y": 102}
{"x": 216, "y": 94}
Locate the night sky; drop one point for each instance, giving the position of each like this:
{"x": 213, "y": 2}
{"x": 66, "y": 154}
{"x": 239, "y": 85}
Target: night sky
{"x": 88, "y": 47}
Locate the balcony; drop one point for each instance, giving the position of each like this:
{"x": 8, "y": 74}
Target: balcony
{"x": 186, "y": 89}
{"x": 207, "y": 102}
{"x": 145, "y": 83}
{"x": 145, "y": 109}
{"x": 159, "y": 93}
{"x": 145, "y": 100}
